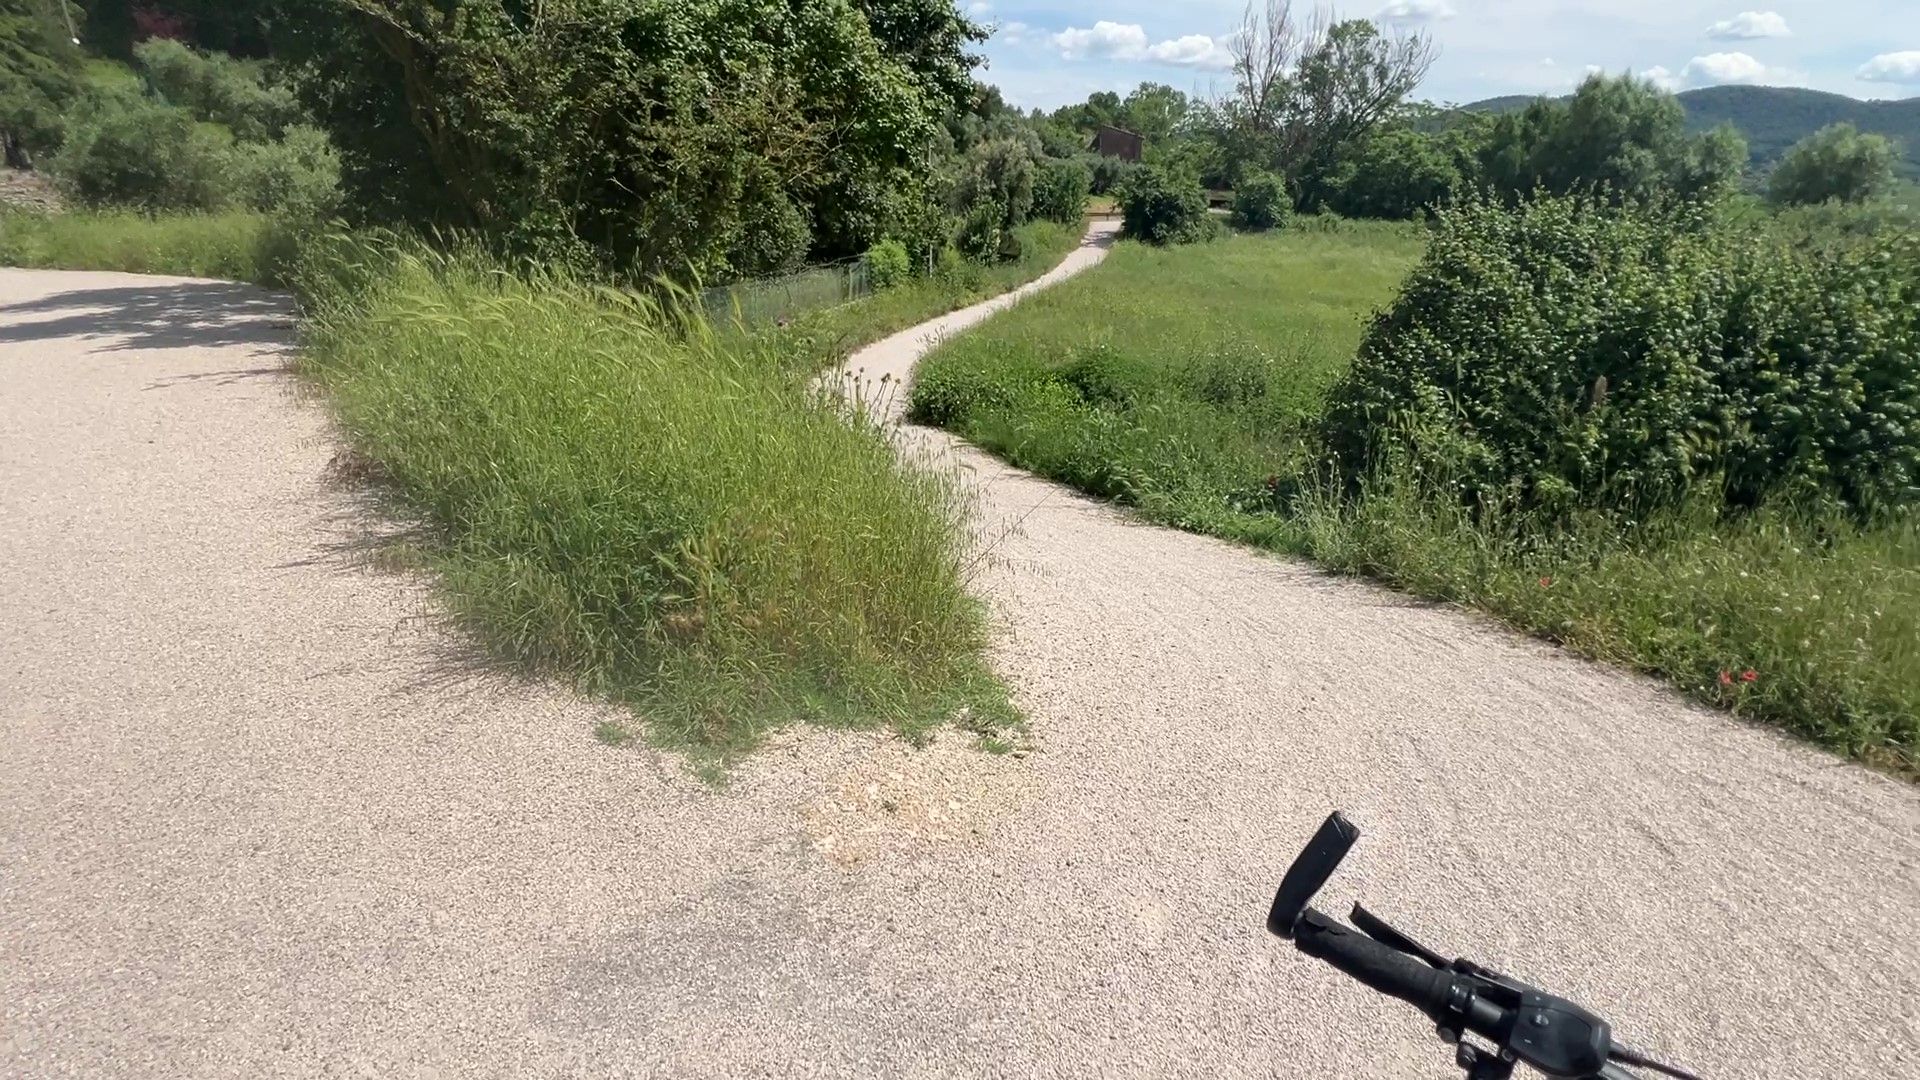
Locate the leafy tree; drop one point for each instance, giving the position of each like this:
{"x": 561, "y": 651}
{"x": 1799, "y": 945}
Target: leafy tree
{"x": 1060, "y": 191}
{"x": 1835, "y": 163}
{"x": 1154, "y": 111}
{"x": 1397, "y": 173}
{"x": 1621, "y": 134}
{"x": 1305, "y": 92}
{"x": 1162, "y": 207}
{"x": 663, "y": 136}
{"x": 39, "y": 76}
{"x": 1260, "y": 203}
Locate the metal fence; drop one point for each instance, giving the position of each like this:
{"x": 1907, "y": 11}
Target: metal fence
{"x": 762, "y": 301}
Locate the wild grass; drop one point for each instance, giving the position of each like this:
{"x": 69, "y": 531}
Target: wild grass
{"x": 835, "y": 330}
{"x": 1186, "y": 382}
{"x": 663, "y": 512}
{"x": 233, "y": 246}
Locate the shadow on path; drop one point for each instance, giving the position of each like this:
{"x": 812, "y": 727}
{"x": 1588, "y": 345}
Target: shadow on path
{"x": 161, "y": 316}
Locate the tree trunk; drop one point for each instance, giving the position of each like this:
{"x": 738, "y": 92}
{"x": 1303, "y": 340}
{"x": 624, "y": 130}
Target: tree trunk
{"x": 16, "y": 151}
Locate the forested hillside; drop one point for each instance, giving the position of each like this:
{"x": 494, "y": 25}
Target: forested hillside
{"x": 1773, "y": 118}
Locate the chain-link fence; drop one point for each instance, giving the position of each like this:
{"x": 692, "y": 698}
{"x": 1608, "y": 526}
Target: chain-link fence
{"x": 763, "y": 301}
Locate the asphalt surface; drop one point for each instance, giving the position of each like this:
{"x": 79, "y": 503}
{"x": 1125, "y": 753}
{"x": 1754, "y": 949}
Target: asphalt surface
{"x": 261, "y": 815}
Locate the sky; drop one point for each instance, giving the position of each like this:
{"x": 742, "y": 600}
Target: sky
{"x": 1048, "y": 53}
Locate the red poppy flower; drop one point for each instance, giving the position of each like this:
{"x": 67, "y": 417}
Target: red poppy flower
{"x": 1749, "y": 675}
{"x": 1726, "y": 678}
{"x": 1546, "y": 582}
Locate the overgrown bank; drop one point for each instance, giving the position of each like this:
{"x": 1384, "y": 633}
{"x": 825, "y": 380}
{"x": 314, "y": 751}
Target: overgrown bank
{"x": 620, "y": 493}
{"x": 1192, "y": 384}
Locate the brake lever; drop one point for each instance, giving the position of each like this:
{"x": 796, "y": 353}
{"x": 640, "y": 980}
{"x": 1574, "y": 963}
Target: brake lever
{"x": 1376, "y": 928}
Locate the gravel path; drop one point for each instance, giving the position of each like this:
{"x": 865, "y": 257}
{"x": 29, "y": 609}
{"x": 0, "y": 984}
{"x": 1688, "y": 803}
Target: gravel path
{"x": 259, "y": 816}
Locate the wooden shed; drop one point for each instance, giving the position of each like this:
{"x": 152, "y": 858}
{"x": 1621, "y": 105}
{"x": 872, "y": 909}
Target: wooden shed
{"x": 1117, "y": 142}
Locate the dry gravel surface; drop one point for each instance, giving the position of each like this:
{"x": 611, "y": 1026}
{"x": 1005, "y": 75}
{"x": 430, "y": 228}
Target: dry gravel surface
{"x": 260, "y": 815}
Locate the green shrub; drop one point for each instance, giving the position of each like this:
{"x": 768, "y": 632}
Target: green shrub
{"x": 1565, "y": 354}
{"x": 1836, "y": 163}
{"x": 1108, "y": 174}
{"x": 298, "y": 176}
{"x": 888, "y": 264}
{"x": 1060, "y": 193}
{"x": 123, "y": 150}
{"x": 1260, "y": 203}
{"x": 217, "y": 88}
{"x": 1163, "y": 208}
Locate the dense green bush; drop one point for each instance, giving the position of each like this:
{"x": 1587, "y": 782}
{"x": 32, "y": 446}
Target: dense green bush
{"x": 1261, "y": 203}
{"x": 124, "y": 150}
{"x": 1565, "y": 354}
{"x": 888, "y": 264}
{"x": 1060, "y": 192}
{"x": 1835, "y": 163}
{"x": 1400, "y": 173}
{"x": 298, "y": 176}
{"x": 1159, "y": 207}
{"x": 1108, "y": 173}
{"x": 219, "y": 89}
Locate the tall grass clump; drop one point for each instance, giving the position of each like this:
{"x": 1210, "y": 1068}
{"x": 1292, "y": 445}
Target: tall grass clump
{"x": 234, "y": 246}
{"x": 666, "y": 513}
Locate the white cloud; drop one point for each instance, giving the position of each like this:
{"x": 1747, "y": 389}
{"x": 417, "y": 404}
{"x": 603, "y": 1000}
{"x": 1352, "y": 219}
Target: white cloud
{"x": 1749, "y": 25}
{"x": 1194, "y": 51}
{"x": 1720, "y": 69}
{"x": 1127, "y": 41}
{"x": 979, "y": 8}
{"x": 1013, "y": 33}
{"x": 1664, "y": 79}
{"x": 1893, "y": 67}
{"x": 1415, "y": 11}
{"x": 1105, "y": 41}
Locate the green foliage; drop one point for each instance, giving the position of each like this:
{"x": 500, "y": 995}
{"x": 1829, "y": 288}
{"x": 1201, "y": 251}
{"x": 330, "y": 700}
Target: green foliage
{"x": 218, "y": 89}
{"x": 888, "y": 264}
{"x": 1566, "y": 355}
{"x": 234, "y": 246}
{"x": 297, "y": 176}
{"x": 1835, "y": 163}
{"x": 1061, "y": 190}
{"x": 1398, "y": 173}
{"x": 995, "y": 195}
{"x": 1109, "y": 173}
{"x": 1261, "y": 203}
{"x": 662, "y": 136}
{"x": 40, "y": 74}
{"x": 1617, "y": 134}
{"x": 125, "y": 150}
{"x": 1159, "y": 207}
{"x": 1207, "y": 422}
{"x": 662, "y": 511}
{"x": 1773, "y": 118}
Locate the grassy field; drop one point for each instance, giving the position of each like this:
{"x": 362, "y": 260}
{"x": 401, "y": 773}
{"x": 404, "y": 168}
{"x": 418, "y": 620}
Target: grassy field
{"x": 622, "y": 495}
{"x": 234, "y": 246}
{"x": 1184, "y": 382}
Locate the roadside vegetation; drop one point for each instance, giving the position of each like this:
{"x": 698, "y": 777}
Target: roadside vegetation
{"x": 1683, "y": 447}
{"x": 571, "y": 280}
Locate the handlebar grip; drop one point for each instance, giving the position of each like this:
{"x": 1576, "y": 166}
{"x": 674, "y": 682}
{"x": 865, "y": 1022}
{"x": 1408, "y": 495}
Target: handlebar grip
{"x": 1383, "y": 968}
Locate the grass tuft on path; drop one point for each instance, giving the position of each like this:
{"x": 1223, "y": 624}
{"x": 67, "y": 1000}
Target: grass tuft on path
{"x": 659, "y": 510}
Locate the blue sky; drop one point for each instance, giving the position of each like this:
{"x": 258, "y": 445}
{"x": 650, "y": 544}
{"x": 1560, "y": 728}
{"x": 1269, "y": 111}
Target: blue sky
{"x": 1049, "y": 53}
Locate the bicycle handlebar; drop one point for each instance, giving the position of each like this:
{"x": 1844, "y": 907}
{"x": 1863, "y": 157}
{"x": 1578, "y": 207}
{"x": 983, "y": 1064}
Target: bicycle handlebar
{"x": 1525, "y": 1025}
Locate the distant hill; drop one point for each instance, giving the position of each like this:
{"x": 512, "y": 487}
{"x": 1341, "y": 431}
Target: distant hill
{"x": 1773, "y": 118}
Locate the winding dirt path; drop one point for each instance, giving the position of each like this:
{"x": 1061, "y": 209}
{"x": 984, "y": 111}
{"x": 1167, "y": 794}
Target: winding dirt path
{"x": 260, "y": 817}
